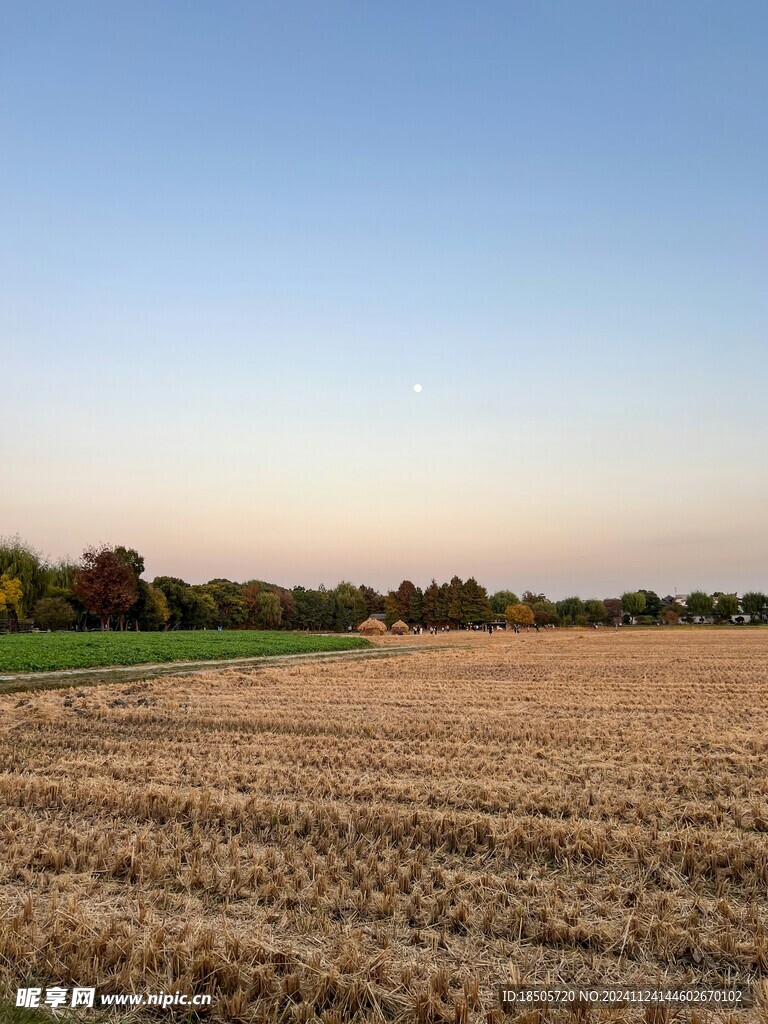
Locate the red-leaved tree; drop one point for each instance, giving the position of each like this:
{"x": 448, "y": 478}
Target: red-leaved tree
{"x": 105, "y": 584}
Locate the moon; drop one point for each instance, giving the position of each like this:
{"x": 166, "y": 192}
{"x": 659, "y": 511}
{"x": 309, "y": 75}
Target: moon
{"x": 417, "y": 388}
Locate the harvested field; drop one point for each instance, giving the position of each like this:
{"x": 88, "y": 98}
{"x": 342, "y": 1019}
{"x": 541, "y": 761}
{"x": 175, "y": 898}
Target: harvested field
{"x": 386, "y": 840}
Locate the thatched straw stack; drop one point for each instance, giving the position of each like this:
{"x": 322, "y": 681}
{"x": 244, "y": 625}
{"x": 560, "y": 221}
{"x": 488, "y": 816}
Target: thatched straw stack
{"x": 400, "y": 627}
{"x": 372, "y": 627}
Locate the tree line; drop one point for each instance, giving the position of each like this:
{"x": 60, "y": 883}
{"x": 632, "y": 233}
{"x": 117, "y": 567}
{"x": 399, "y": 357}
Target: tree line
{"x": 106, "y": 589}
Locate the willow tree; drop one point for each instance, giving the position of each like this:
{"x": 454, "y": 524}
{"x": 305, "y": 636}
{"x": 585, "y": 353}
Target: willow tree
{"x": 633, "y": 603}
{"x": 754, "y": 603}
{"x": 20, "y": 561}
{"x": 699, "y": 604}
{"x": 502, "y": 599}
{"x": 269, "y": 612}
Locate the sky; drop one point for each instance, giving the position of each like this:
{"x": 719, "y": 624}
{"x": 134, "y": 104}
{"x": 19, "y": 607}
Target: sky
{"x": 233, "y": 236}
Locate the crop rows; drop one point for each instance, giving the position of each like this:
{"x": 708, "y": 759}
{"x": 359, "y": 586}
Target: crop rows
{"x": 40, "y": 652}
{"x": 387, "y": 840}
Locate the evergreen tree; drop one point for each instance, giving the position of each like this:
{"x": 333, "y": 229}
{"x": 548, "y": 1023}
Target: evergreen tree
{"x": 430, "y": 605}
{"x": 455, "y": 609}
{"x": 416, "y": 607}
{"x": 475, "y": 605}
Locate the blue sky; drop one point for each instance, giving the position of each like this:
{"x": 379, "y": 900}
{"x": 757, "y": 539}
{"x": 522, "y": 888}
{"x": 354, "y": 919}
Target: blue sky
{"x": 233, "y": 236}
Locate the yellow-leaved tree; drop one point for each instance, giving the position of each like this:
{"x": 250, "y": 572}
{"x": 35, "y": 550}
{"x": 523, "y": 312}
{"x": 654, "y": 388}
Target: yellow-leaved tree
{"x": 11, "y": 595}
{"x": 519, "y": 615}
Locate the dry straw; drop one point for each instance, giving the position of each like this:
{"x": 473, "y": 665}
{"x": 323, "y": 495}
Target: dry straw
{"x": 372, "y": 627}
{"x": 370, "y": 841}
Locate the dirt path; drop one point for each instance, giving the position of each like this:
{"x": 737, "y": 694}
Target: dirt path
{"x": 95, "y": 676}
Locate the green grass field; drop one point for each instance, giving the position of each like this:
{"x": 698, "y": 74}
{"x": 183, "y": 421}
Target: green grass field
{"x": 43, "y": 652}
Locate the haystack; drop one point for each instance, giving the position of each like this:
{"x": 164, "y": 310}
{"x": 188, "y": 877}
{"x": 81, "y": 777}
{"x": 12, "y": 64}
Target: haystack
{"x": 372, "y": 627}
{"x": 400, "y": 627}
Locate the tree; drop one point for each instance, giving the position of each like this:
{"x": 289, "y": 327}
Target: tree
{"x": 443, "y": 600}
{"x": 699, "y": 604}
{"x": 250, "y": 592}
{"x": 519, "y": 615}
{"x": 231, "y": 608}
{"x": 269, "y": 613}
{"x": 350, "y": 607}
{"x": 416, "y": 607}
{"x": 502, "y": 599}
{"x": 151, "y": 610}
{"x": 135, "y": 563}
{"x": 455, "y": 610}
{"x": 671, "y": 617}
{"x": 403, "y": 603}
{"x": 595, "y": 611}
{"x": 633, "y": 603}
{"x": 613, "y": 605}
{"x": 727, "y": 605}
{"x": 571, "y": 611}
{"x": 753, "y": 604}
{"x": 392, "y": 612}
{"x": 312, "y": 609}
{"x": 160, "y": 607}
{"x": 132, "y": 559}
{"x": 653, "y": 603}
{"x": 397, "y": 602}
{"x": 11, "y": 596}
{"x": 178, "y": 596}
{"x": 475, "y": 606}
{"x": 61, "y": 575}
{"x": 285, "y": 597}
{"x": 105, "y": 584}
{"x": 374, "y": 601}
{"x": 430, "y": 604}
{"x": 669, "y": 604}
{"x": 404, "y": 595}
{"x": 202, "y": 612}
{"x": 21, "y": 562}
{"x": 54, "y": 613}
{"x": 544, "y": 612}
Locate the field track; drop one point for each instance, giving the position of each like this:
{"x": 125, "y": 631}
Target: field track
{"x": 22, "y": 681}
{"x": 59, "y": 652}
{"x": 385, "y": 839}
